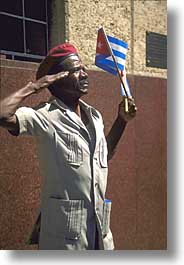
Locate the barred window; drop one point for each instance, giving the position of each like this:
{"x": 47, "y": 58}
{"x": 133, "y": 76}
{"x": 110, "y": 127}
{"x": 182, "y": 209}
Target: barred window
{"x": 24, "y": 29}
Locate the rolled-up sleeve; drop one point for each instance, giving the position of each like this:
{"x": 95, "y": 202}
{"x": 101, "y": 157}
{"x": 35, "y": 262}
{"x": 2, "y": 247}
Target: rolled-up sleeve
{"x": 31, "y": 122}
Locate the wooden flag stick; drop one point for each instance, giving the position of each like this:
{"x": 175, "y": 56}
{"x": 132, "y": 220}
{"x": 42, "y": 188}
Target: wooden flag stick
{"x": 115, "y": 63}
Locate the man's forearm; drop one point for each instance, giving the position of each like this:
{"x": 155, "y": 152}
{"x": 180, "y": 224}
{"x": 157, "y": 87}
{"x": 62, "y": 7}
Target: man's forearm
{"x": 114, "y": 135}
{"x": 9, "y": 105}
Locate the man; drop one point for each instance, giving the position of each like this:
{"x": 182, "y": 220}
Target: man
{"x": 73, "y": 152}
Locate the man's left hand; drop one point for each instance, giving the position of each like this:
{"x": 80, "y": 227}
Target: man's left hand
{"x": 128, "y": 114}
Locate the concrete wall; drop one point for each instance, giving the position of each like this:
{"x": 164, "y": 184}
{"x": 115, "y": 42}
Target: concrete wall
{"x": 85, "y": 17}
{"x": 149, "y": 15}
{"x": 125, "y": 19}
{"x": 57, "y": 25}
{"x": 137, "y": 172}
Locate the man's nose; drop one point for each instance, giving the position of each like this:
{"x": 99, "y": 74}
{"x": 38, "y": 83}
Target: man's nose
{"x": 83, "y": 73}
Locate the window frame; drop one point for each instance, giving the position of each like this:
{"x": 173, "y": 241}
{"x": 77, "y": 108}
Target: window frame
{"x": 13, "y": 54}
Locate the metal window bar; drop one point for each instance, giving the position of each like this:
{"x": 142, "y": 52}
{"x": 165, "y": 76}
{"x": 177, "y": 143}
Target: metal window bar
{"x": 47, "y": 30}
{"x": 24, "y": 26}
{"x": 22, "y": 17}
{"x": 12, "y": 53}
{"x": 22, "y": 54}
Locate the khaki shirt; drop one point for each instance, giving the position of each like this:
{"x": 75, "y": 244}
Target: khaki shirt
{"x": 74, "y": 171}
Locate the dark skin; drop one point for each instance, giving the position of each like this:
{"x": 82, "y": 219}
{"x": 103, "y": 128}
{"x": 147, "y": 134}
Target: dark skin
{"x": 73, "y": 87}
{"x": 69, "y": 85}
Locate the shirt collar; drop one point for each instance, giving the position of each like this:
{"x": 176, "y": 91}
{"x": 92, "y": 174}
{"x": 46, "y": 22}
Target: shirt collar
{"x": 59, "y": 103}
{"x": 84, "y": 105}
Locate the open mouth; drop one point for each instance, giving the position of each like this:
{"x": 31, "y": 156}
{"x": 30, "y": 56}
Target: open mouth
{"x": 84, "y": 83}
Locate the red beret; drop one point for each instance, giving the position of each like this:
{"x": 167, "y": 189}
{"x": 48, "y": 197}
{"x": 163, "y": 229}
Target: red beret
{"x": 55, "y": 55}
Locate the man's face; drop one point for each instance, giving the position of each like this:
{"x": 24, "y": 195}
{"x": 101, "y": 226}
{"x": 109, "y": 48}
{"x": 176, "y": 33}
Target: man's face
{"x": 76, "y": 83}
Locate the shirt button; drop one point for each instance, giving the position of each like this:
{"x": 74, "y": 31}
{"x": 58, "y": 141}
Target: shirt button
{"x": 96, "y": 185}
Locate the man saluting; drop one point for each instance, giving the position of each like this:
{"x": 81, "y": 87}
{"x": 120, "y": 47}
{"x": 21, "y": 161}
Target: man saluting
{"x": 73, "y": 153}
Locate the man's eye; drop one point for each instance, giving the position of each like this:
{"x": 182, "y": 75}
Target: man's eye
{"x": 77, "y": 69}
{"x": 72, "y": 71}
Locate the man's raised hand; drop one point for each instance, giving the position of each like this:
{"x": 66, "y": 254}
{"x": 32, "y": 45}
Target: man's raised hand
{"x": 130, "y": 114}
{"x": 46, "y": 81}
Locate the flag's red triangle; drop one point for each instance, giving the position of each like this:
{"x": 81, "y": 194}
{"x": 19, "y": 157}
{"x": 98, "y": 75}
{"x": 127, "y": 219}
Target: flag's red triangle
{"x": 101, "y": 46}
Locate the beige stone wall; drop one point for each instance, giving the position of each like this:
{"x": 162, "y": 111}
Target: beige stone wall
{"x": 149, "y": 15}
{"x": 85, "y": 17}
{"x": 125, "y": 19}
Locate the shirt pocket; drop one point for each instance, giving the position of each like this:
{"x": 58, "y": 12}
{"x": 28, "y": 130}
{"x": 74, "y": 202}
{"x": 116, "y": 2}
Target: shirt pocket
{"x": 70, "y": 147}
{"x": 103, "y": 152}
{"x": 65, "y": 218}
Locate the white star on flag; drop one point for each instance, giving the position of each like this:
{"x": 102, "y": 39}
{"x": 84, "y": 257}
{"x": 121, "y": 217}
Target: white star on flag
{"x": 100, "y": 44}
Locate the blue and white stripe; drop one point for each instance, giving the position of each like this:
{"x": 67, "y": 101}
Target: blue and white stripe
{"x": 119, "y": 50}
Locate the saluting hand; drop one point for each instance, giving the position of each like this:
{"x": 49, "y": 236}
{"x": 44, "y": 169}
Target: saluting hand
{"x": 46, "y": 81}
{"x": 130, "y": 114}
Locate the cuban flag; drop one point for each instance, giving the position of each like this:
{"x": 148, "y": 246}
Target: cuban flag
{"x": 104, "y": 60}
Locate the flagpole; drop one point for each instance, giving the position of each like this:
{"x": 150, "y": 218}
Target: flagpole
{"x": 120, "y": 77}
